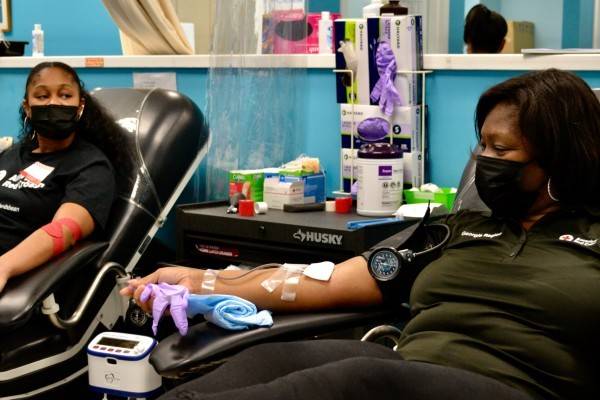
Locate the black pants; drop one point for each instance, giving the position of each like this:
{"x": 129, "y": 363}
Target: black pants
{"x": 337, "y": 369}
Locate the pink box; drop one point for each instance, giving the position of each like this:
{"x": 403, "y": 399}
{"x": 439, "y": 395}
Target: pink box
{"x": 290, "y": 31}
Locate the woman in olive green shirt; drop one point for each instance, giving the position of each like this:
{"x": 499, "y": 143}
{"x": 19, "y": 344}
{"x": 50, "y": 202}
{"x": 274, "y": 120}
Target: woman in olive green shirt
{"x": 509, "y": 311}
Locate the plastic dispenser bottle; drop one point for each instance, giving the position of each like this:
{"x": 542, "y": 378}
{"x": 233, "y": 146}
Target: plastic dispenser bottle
{"x": 325, "y": 33}
{"x": 373, "y": 9}
{"x": 37, "y": 36}
{"x": 393, "y": 7}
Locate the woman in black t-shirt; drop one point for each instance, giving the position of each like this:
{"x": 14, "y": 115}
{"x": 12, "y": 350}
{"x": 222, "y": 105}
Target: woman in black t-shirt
{"x": 509, "y": 310}
{"x": 57, "y": 184}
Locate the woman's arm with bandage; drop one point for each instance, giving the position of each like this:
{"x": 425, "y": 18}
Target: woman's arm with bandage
{"x": 351, "y": 285}
{"x": 47, "y": 241}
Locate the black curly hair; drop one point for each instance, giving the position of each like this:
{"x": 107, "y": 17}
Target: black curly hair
{"x": 96, "y": 125}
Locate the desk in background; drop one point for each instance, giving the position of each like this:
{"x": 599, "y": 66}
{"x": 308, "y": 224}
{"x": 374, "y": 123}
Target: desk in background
{"x": 209, "y": 237}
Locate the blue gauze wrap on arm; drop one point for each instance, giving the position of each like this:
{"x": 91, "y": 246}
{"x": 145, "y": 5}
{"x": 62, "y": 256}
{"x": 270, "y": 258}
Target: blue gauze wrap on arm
{"x": 384, "y": 89}
{"x": 229, "y": 312}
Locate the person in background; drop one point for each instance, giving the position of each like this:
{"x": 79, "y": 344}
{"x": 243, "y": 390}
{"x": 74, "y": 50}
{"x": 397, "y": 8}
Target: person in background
{"x": 508, "y": 311}
{"x": 485, "y": 30}
{"x": 57, "y": 183}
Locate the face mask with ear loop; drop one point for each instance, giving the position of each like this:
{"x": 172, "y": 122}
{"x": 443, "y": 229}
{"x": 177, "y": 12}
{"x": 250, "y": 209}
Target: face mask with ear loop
{"x": 498, "y": 183}
{"x": 55, "y": 122}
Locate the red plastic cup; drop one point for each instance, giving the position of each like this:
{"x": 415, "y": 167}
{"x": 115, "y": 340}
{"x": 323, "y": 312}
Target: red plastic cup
{"x": 246, "y": 208}
{"x": 343, "y": 205}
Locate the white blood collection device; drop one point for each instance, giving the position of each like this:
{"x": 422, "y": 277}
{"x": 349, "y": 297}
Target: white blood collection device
{"x": 118, "y": 364}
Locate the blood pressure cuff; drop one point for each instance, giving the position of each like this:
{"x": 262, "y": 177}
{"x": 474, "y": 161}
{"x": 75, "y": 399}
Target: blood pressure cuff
{"x": 426, "y": 241}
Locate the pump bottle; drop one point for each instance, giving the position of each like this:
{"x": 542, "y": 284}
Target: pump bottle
{"x": 393, "y": 7}
{"x": 325, "y": 33}
{"x": 373, "y": 9}
{"x": 37, "y": 36}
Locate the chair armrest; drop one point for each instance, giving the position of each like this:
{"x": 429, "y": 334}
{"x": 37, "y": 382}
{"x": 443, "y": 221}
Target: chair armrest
{"x": 207, "y": 344}
{"x": 23, "y": 292}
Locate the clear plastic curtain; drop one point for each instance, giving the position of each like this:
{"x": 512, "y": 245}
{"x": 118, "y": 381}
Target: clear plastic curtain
{"x": 256, "y": 111}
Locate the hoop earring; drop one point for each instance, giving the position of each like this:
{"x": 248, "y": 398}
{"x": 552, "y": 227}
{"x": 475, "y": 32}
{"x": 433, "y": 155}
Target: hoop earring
{"x": 556, "y": 199}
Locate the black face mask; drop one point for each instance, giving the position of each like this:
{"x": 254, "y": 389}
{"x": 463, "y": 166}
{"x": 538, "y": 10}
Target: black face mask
{"x": 53, "y": 121}
{"x": 498, "y": 185}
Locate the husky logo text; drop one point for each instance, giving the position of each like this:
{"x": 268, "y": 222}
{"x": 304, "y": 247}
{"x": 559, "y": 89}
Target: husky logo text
{"x": 318, "y": 237}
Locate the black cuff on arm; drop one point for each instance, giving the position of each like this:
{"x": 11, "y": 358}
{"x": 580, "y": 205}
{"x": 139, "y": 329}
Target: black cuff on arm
{"x": 426, "y": 243}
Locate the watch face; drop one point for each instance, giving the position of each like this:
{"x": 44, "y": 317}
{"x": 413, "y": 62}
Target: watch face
{"x": 384, "y": 264}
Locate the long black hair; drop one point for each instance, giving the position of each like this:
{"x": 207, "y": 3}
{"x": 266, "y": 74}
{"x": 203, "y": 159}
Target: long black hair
{"x": 559, "y": 116}
{"x": 96, "y": 125}
{"x": 484, "y": 30}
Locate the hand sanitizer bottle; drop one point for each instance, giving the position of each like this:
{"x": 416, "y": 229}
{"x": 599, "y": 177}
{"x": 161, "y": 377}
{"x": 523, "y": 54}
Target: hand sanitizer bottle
{"x": 37, "y": 36}
{"x": 325, "y": 33}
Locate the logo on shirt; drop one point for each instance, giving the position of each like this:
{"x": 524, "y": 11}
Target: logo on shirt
{"x": 578, "y": 240}
{"x": 18, "y": 181}
{"x": 477, "y": 235}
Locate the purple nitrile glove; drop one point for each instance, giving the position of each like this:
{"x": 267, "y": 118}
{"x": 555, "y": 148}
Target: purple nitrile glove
{"x": 174, "y": 296}
{"x": 384, "y": 89}
{"x": 373, "y": 129}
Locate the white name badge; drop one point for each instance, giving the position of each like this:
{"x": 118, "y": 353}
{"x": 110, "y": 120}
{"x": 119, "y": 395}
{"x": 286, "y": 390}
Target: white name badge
{"x": 36, "y": 172}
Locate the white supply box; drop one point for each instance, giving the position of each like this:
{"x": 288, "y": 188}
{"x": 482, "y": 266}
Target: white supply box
{"x": 405, "y": 130}
{"x": 277, "y": 193}
{"x": 363, "y": 90}
{"x": 118, "y": 364}
{"x": 404, "y": 34}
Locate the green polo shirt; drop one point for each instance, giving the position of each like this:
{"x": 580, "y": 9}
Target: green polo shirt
{"x": 522, "y": 307}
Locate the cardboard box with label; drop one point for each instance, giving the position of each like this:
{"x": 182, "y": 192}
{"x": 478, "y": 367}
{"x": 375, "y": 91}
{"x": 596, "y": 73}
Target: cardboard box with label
{"x": 520, "y": 36}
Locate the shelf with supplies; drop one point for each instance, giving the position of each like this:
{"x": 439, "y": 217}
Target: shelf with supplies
{"x": 419, "y": 176}
{"x": 433, "y": 62}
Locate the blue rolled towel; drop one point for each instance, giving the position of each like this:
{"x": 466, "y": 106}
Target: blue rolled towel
{"x": 226, "y": 311}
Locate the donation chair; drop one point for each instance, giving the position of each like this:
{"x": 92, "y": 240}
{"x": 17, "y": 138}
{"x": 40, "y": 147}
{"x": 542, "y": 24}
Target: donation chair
{"x": 207, "y": 346}
{"x": 49, "y": 315}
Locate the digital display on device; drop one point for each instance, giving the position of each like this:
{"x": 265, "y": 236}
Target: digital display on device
{"x": 123, "y": 343}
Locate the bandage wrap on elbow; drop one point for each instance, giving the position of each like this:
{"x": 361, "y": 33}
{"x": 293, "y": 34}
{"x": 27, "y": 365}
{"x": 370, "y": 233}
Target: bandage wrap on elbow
{"x": 55, "y": 230}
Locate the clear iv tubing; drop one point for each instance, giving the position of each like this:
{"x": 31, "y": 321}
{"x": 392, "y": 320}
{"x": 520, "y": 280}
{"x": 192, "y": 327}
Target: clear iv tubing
{"x": 260, "y": 267}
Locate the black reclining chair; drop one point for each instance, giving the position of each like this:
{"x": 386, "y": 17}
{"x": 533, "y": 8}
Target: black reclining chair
{"x": 206, "y": 346}
{"x": 42, "y": 347}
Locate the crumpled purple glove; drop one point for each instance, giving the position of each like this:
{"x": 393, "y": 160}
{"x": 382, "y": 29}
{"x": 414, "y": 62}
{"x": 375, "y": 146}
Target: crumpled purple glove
{"x": 384, "y": 89}
{"x": 373, "y": 129}
{"x": 174, "y": 296}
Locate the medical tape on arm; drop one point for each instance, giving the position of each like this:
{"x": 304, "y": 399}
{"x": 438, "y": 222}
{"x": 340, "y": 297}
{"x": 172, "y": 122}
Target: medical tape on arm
{"x": 289, "y": 276}
{"x": 55, "y": 230}
{"x": 291, "y": 281}
{"x": 208, "y": 281}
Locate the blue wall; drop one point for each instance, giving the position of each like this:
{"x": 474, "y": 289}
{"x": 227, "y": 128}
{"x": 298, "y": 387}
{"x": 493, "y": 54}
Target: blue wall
{"x": 70, "y": 27}
{"x": 323, "y": 5}
{"x": 456, "y": 26}
{"x": 547, "y": 16}
{"x": 570, "y": 21}
{"x": 578, "y": 24}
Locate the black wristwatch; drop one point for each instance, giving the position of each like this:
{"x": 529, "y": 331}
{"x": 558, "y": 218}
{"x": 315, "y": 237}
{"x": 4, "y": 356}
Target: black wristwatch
{"x": 385, "y": 263}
